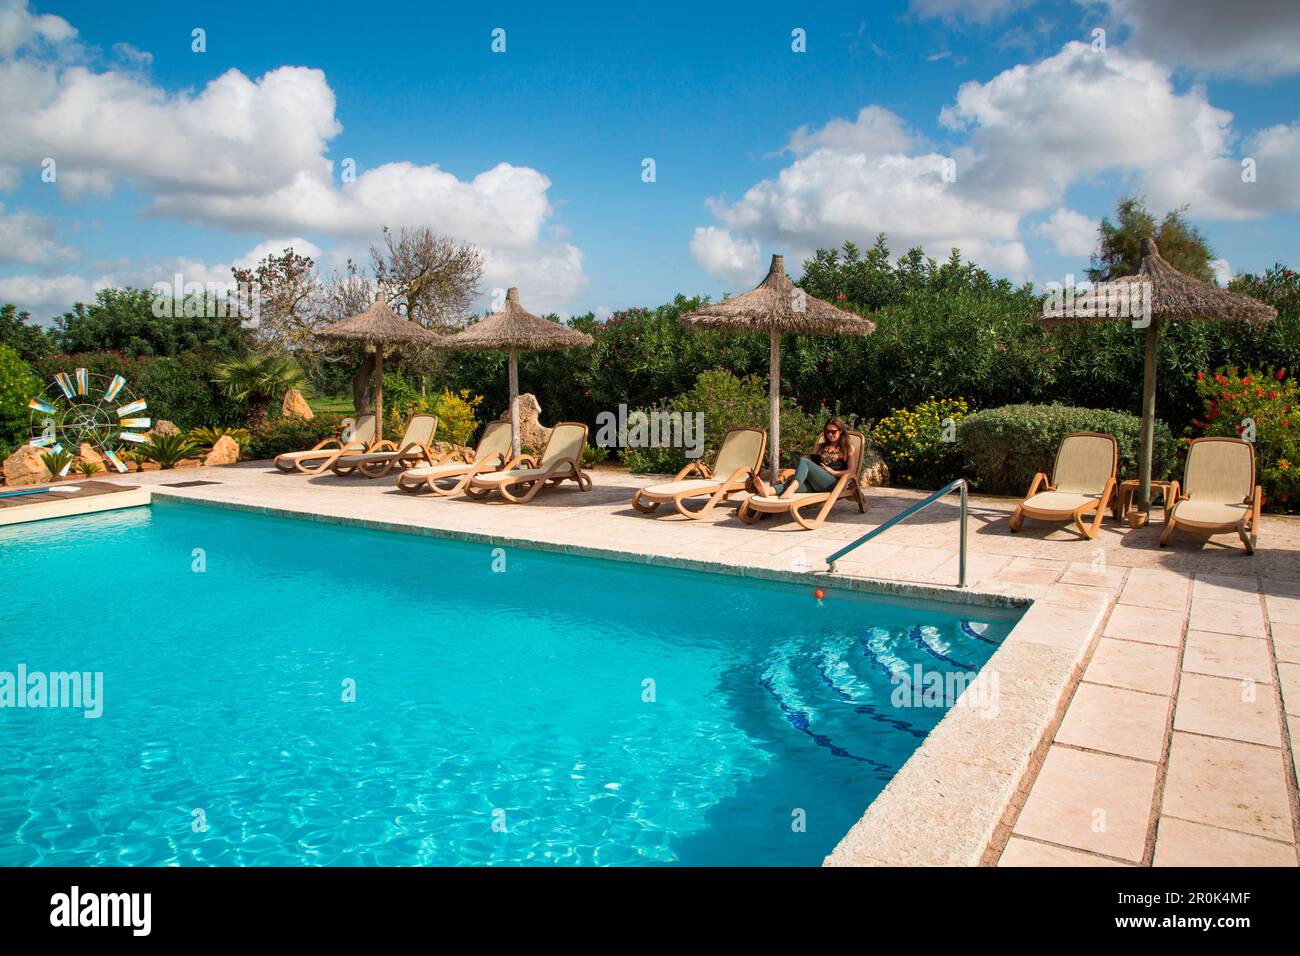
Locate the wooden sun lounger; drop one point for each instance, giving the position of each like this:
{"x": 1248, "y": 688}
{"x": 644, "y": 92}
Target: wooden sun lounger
{"x": 739, "y": 457}
{"x": 491, "y": 455}
{"x": 849, "y": 486}
{"x": 363, "y": 436}
{"x": 1083, "y": 480}
{"x": 561, "y": 460}
{"x": 382, "y": 457}
{"x": 1218, "y": 493}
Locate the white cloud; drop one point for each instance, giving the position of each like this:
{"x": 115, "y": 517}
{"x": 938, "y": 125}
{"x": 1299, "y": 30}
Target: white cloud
{"x": 724, "y": 256}
{"x": 1255, "y": 38}
{"x": 19, "y": 27}
{"x": 32, "y": 239}
{"x": 46, "y": 296}
{"x": 1073, "y": 233}
{"x": 1021, "y": 141}
{"x": 252, "y": 155}
{"x": 876, "y": 130}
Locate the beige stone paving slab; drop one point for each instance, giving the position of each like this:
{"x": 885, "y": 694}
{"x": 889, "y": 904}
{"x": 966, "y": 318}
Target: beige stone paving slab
{"x": 1228, "y": 784}
{"x": 1147, "y": 625}
{"x": 1149, "y": 668}
{"x": 1116, "y": 721}
{"x": 1222, "y": 707}
{"x": 1286, "y": 642}
{"x": 1095, "y": 802}
{"x": 1153, "y": 588}
{"x": 1227, "y": 617}
{"x": 1095, "y": 577}
{"x": 1227, "y": 655}
{"x": 1183, "y": 843}
{"x": 1232, "y": 588}
{"x": 1283, "y": 608}
{"x": 1058, "y": 625}
{"x": 1289, "y": 676}
{"x": 1022, "y": 852}
{"x": 1031, "y": 571}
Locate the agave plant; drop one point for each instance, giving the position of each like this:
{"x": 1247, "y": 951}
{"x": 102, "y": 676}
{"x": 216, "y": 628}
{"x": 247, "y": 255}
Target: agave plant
{"x": 87, "y": 468}
{"x": 169, "y": 450}
{"x": 56, "y": 461}
{"x": 259, "y": 380}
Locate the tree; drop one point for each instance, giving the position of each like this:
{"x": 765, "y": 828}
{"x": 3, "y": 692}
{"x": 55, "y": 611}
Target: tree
{"x": 434, "y": 277}
{"x": 1119, "y": 250}
{"x": 259, "y": 380}
{"x": 124, "y": 320}
{"x": 29, "y": 341}
{"x": 282, "y": 291}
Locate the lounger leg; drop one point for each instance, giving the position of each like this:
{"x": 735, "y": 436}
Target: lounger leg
{"x": 1017, "y": 518}
{"x": 1170, "y": 524}
{"x": 1247, "y": 539}
{"x": 747, "y": 514}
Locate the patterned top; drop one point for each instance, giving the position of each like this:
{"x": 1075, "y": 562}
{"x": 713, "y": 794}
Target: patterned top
{"x": 831, "y": 458}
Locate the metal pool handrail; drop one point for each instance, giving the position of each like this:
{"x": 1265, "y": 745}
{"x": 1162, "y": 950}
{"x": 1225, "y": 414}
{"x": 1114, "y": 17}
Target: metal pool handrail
{"x": 961, "y": 483}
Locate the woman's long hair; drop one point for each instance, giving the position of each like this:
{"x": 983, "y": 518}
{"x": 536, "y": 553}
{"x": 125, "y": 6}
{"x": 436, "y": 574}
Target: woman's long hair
{"x": 841, "y": 444}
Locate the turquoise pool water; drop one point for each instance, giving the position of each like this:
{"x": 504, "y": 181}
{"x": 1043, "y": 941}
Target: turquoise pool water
{"x": 560, "y": 711}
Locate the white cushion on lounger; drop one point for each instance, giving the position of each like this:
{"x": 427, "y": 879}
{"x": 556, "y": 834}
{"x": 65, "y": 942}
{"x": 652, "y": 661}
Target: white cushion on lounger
{"x": 1209, "y": 512}
{"x": 686, "y": 484}
{"x": 778, "y": 500}
{"x": 433, "y": 471}
{"x": 507, "y": 477}
{"x": 1059, "y": 501}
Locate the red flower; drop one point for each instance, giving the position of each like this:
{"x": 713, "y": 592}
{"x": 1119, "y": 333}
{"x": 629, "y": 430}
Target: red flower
{"x": 1281, "y": 374}
{"x": 1200, "y": 376}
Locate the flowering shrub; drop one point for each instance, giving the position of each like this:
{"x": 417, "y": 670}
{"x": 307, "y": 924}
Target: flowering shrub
{"x": 456, "y": 419}
{"x": 292, "y": 434}
{"x": 18, "y": 385}
{"x": 1263, "y": 407}
{"x": 920, "y": 444}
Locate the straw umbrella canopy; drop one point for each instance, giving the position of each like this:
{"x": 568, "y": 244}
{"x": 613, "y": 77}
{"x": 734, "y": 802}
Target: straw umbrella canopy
{"x": 379, "y": 326}
{"x": 513, "y": 330}
{"x": 774, "y": 306}
{"x": 1172, "y": 296}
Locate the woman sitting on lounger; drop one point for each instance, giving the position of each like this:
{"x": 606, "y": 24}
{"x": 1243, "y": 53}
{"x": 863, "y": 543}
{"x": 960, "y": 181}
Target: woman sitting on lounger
{"x": 830, "y": 459}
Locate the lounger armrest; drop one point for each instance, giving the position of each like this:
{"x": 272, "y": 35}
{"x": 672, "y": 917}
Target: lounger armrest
{"x": 743, "y": 472}
{"x": 518, "y": 460}
{"x": 1256, "y": 502}
{"x": 693, "y": 467}
{"x": 1040, "y": 479}
{"x": 785, "y": 474}
{"x": 326, "y": 442}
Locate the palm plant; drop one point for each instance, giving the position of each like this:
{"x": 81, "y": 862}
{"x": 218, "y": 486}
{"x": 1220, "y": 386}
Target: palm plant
{"x": 259, "y": 380}
{"x": 169, "y": 450}
{"x": 87, "y": 468}
{"x": 206, "y": 437}
{"x": 55, "y": 462}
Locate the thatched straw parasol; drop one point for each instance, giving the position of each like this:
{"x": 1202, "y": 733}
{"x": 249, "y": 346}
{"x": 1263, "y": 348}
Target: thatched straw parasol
{"x": 379, "y": 326}
{"x": 1162, "y": 293}
{"x": 774, "y": 306}
{"x": 514, "y": 329}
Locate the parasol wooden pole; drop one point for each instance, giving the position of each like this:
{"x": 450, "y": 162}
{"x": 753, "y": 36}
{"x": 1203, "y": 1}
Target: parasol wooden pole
{"x": 379, "y": 392}
{"x": 514, "y": 403}
{"x": 1148, "y": 417}
{"x": 774, "y": 402}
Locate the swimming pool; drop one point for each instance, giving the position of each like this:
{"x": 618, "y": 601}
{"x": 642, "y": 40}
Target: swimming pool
{"x": 280, "y": 691}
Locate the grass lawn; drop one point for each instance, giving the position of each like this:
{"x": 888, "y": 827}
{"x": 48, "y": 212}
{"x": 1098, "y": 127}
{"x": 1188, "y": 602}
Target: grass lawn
{"x": 331, "y": 404}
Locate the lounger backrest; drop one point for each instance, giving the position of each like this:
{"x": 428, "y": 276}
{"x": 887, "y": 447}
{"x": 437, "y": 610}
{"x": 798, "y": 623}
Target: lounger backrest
{"x": 1220, "y": 470}
{"x": 495, "y": 440}
{"x": 1084, "y": 463}
{"x": 363, "y": 430}
{"x": 858, "y": 444}
{"x": 567, "y": 441}
{"x": 420, "y": 428}
{"x": 741, "y": 448}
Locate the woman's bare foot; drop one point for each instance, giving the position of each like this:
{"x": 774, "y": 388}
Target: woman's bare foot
{"x": 790, "y": 489}
{"x": 764, "y": 489}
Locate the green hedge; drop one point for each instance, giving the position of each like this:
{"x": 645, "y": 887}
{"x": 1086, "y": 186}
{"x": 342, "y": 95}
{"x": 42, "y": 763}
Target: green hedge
{"x": 1007, "y": 446}
{"x": 18, "y": 385}
{"x": 292, "y": 434}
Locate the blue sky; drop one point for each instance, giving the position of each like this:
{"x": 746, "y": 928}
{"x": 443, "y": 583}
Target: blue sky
{"x": 169, "y": 161}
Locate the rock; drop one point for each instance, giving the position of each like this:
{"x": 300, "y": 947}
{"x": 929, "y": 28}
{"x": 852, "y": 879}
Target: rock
{"x": 86, "y": 453}
{"x": 163, "y": 427}
{"x": 24, "y": 467}
{"x": 295, "y": 406}
{"x": 224, "y": 452}
{"x": 532, "y": 433}
{"x": 441, "y": 448}
{"x": 875, "y": 473}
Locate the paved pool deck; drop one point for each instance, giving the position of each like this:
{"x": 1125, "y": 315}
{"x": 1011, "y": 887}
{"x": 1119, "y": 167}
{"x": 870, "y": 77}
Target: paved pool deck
{"x": 1147, "y": 704}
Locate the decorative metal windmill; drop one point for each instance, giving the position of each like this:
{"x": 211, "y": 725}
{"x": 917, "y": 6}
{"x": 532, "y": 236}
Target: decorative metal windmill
{"x": 89, "y": 409}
